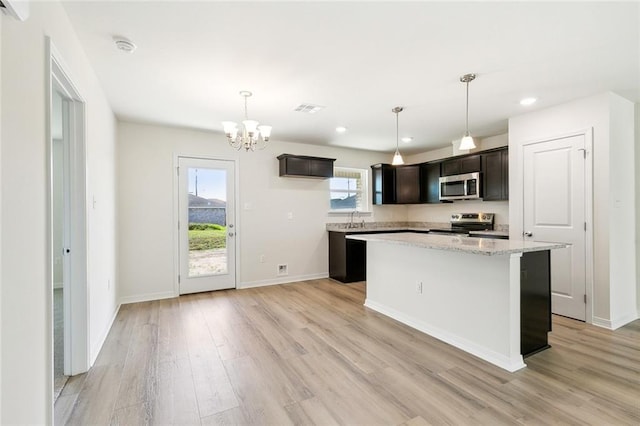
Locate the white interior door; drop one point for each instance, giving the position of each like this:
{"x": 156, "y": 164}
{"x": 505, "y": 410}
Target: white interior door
{"x": 554, "y": 211}
{"x": 206, "y": 227}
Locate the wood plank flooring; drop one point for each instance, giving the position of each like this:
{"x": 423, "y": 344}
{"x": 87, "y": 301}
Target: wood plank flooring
{"x": 310, "y": 353}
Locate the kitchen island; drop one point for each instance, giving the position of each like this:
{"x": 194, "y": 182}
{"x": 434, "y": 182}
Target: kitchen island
{"x": 464, "y": 291}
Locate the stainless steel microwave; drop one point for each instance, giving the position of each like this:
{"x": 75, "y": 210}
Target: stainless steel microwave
{"x": 460, "y": 187}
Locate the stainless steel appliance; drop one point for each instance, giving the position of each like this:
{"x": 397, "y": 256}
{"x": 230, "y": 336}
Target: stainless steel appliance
{"x": 460, "y": 187}
{"x": 462, "y": 223}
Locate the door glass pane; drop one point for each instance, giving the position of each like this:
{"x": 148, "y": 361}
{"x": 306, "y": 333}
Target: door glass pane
{"x": 207, "y": 222}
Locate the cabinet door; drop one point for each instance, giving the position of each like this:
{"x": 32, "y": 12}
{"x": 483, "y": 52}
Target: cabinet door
{"x": 492, "y": 176}
{"x": 451, "y": 167}
{"x": 495, "y": 175}
{"x": 384, "y": 186}
{"x": 505, "y": 173}
{"x": 470, "y": 164}
{"x": 321, "y": 168}
{"x": 408, "y": 184}
{"x": 430, "y": 175}
{"x": 297, "y": 166}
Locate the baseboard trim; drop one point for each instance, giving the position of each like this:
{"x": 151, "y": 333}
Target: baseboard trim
{"x": 282, "y": 280}
{"x": 95, "y": 351}
{"x": 490, "y": 356}
{"x": 615, "y": 323}
{"x": 147, "y": 297}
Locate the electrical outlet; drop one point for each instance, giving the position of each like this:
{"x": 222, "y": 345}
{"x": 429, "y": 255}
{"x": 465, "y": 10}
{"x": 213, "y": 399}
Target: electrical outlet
{"x": 283, "y": 269}
{"x": 262, "y": 258}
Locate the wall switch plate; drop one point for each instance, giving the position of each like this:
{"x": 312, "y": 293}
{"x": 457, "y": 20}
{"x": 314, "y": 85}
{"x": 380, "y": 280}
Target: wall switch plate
{"x": 290, "y": 215}
{"x": 419, "y": 287}
{"x": 262, "y": 258}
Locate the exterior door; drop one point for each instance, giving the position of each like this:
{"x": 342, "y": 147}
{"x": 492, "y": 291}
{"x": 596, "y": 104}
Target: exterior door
{"x": 206, "y": 225}
{"x": 554, "y": 211}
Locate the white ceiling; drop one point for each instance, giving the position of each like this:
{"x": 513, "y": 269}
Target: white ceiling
{"x": 359, "y": 59}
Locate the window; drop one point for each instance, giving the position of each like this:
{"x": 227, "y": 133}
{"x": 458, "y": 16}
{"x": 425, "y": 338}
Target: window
{"x": 348, "y": 190}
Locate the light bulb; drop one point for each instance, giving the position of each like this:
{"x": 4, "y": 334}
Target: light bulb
{"x": 467, "y": 142}
{"x": 251, "y": 126}
{"x": 397, "y": 159}
{"x": 265, "y": 131}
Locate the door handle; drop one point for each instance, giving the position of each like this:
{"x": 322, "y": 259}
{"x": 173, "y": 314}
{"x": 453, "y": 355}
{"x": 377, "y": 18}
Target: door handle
{"x": 231, "y": 234}
{"x": 231, "y": 225}
{"x": 528, "y": 234}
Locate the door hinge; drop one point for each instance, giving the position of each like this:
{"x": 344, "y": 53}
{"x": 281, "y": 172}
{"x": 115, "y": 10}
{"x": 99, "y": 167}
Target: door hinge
{"x": 178, "y": 171}
{"x": 585, "y": 226}
{"x": 179, "y": 280}
{"x": 585, "y": 299}
{"x": 584, "y": 152}
{"x": 178, "y": 225}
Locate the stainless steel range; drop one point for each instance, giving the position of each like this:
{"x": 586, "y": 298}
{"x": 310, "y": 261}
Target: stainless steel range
{"x": 462, "y": 223}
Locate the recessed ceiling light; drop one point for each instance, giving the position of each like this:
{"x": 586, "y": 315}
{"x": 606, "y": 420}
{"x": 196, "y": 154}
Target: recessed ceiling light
{"x": 407, "y": 139}
{"x": 341, "y": 129}
{"x": 125, "y": 45}
{"x": 528, "y": 101}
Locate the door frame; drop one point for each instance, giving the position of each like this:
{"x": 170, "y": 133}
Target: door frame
{"x": 76, "y": 311}
{"x": 518, "y": 208}
{"x": 176, "y": 214}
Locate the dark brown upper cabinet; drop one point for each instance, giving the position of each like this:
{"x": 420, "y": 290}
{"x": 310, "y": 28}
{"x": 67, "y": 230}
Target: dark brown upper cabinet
{"x": 305, "y": 166}
{"x": 495, "y": 175}
{"x": 408, "y": 184}
{"x": 457, "y": 166}
{"x": 429, "y": 182}
{"x": 383, "y": 188}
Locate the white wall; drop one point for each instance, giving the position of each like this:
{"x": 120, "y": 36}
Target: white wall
{"x": 613, "y": 191}
{"x": 146, "y": 250}
{"x": 622, "y": 219}
{"x": 637, "y": 180}
{"x": 24, "y": 326}
{"x": 1, "y": 238}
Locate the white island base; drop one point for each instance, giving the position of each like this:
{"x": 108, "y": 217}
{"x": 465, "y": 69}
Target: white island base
{"x": 452, "y": 288}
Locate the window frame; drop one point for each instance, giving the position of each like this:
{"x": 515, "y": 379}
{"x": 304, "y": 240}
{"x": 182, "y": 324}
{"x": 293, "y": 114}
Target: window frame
{"x": 365, "y": 204}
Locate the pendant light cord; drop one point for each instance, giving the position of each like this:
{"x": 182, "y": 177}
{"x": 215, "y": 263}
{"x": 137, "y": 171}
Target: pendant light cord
{"x": 467, "y": 120}
{"x": 397, "y": 132}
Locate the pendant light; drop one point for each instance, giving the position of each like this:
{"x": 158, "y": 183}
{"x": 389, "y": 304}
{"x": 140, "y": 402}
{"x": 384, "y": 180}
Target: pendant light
{"x": 397, "y": 158}
{"x": 467, "y": 141}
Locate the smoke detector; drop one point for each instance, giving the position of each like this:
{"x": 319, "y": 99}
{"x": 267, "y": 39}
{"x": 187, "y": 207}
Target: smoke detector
{"x": 125, "y": 45}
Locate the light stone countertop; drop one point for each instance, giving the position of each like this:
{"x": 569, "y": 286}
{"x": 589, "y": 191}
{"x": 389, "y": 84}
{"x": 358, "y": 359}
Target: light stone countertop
{"x": 472, "y": 245}
{"x": 490, "y": 233}
{"x": 384, "y": 227}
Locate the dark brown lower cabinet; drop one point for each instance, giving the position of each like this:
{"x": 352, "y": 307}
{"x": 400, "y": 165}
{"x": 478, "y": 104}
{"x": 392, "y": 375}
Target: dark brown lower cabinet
{"x": 535, "y": 301}
{"x": 347, "y": 258}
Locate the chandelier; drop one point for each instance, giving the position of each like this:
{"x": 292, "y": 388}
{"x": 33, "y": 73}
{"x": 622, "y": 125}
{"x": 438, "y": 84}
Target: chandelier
{"x": 252, "y": 135}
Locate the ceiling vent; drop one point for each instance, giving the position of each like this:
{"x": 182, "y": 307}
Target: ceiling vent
{"x": 308, "y": 108}
{"x": 19, "y": 9}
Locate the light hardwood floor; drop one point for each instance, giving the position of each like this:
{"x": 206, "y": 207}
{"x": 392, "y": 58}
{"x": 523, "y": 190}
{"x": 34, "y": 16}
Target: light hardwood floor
{"x": 311, "y": 353}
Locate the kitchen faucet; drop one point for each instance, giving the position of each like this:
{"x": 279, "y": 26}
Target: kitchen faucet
{"x": 353, "y": 225}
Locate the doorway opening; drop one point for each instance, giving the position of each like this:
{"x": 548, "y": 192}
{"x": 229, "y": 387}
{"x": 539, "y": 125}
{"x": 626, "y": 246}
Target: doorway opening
{"x": 67, "y": 249}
